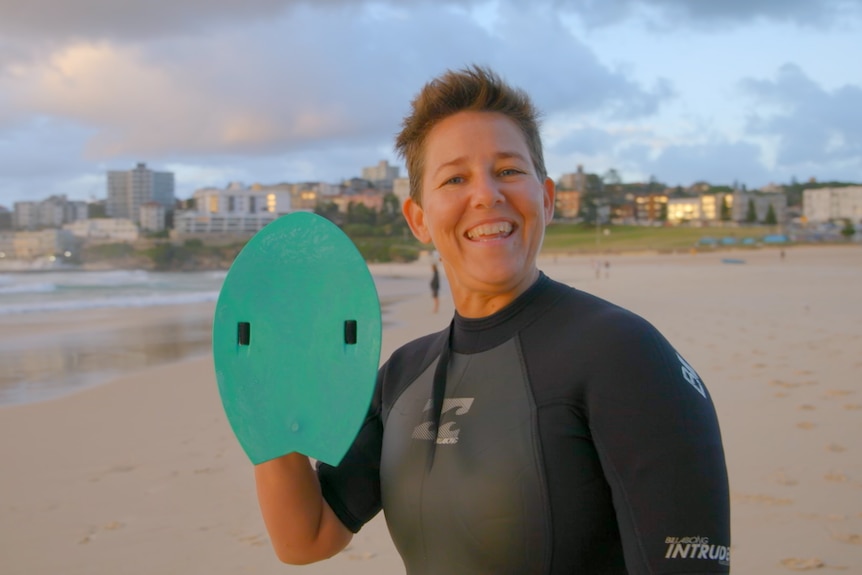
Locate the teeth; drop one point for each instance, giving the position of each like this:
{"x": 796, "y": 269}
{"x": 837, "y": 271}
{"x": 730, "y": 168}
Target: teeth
{"x": 495, "y": 229}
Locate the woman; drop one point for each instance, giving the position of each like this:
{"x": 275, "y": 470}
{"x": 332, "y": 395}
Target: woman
{"x": 546, "y": 430}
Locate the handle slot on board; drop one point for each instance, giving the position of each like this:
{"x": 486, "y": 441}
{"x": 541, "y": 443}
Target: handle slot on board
{"x": 350, "y": 331}
{"x": 243, "y": 333}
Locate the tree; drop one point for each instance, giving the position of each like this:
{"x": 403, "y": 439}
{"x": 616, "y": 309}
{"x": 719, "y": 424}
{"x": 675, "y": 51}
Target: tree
{"x": 848, "y": 230}
{"x": 359, "y": 213}
{"x": 329, "y": 210}
{"x": 751, "y": 216}
{"x": 725, "y": 209}
{"x": 391, "y": 207}
{"x": 612, "y": 178}
{"x": 770, "y": 220}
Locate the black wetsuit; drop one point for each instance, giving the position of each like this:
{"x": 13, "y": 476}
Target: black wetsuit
{"x": 572, "y": 439}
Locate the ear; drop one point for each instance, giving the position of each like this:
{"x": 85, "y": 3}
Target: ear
{"x": 415, "y": 216}
{"x": 550, "y": 193}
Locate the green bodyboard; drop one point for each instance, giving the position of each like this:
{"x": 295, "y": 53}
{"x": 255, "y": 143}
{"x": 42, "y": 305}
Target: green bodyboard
{"x": 296, "y": 340}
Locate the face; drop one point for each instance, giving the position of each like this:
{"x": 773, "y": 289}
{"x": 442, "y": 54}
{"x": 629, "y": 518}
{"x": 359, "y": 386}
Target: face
{"x": 483, "y": 207}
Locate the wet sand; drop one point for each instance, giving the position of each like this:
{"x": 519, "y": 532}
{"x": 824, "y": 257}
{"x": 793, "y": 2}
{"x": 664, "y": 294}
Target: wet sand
{"x": 143, "y": 475}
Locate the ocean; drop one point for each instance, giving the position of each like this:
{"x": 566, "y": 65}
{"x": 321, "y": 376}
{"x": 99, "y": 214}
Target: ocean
{"x": 24, "y": 292}
{"x": 45, "y": 353}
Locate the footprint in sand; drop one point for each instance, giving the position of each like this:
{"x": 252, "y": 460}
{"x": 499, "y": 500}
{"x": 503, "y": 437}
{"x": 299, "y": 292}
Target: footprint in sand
{"x": 852, "y": 538}
{"x": 760, "y": 498}
{"x": 836, "y": 476}
{"x": 785, "y": 384}
{"x": 122, "y": 468}
{"x": 806, "y": 425}
{"x": 807, "y": 407}
{"x": 836, "y": 448}
{"x": 357, "y": 555}
{"x": 112, "y": 526}
{"x": 254, "y": 540}
{"x": 795, "y": 564}
{"x": 853, "y": 406}
{"x": 832, "y": 393}
{"x": 819, "y": 517}
{"x": 783, "y": 479}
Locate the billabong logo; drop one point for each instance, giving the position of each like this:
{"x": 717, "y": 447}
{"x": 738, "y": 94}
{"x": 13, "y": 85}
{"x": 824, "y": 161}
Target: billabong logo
{"x": 447, "y": 434}
{"x": 696, "y": 548}
{"x": 691, "y": 376}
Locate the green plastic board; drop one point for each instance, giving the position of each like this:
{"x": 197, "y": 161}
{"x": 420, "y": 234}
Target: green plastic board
{"x": 296, "y": 340}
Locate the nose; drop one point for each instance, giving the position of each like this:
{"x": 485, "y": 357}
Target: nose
{"x": 486, "y": 192}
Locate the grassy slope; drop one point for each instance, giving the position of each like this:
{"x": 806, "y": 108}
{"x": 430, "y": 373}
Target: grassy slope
{"x": 572, "y": 238}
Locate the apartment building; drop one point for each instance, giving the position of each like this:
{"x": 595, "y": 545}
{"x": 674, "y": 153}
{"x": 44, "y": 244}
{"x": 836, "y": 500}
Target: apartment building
{"x": 128, "y": 190}
{"x": 829, "y": 204}
{"x": 236, "y": 209}
{"x": 107, "y": 229}
{"x": 51, "y": 212}
{"x": 382, "y": 176}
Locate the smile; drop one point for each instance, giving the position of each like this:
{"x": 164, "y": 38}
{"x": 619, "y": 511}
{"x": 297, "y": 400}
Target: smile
{"x": 493, "y": 231}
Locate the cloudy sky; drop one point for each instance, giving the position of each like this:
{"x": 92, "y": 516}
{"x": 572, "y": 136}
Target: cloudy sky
{"x": 748, "y": 91}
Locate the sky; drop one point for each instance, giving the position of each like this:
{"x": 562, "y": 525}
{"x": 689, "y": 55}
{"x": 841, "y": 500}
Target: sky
{"x": 727, "y": 91}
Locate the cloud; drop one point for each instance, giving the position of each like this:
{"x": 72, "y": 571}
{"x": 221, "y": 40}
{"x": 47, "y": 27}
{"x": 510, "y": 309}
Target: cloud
{"x": 811, "y": 125}
{"x": 703, "y": 15}
{"x": 720, "y": 162}
{"x": 134, "y": 20}
{"x": 287, "y": 84}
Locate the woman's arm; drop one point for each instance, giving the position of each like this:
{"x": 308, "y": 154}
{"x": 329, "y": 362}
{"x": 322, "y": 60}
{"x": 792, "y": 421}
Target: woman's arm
{"x": 301, "y": 525}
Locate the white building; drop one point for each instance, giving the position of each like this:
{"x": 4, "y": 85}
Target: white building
{"x": 827, "y": 204}
{"x": 152, "y": 217}
{"x": 234, "y": 210}
{"x": 381, "y": 176}
{"x": 118, "y": 229}
{"x": 30, "y": 245}
{"x": 52, "y": 212}
{"x": 129, "y": 189}
{"x": 703, "y": 208}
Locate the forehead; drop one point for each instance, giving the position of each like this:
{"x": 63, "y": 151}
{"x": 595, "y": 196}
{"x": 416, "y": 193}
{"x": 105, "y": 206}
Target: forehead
{"x": 469, "y": 134}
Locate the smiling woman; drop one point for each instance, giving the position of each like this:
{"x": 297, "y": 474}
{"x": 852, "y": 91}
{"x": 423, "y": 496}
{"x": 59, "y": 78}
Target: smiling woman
{"x": 545, "y": 430}
{"x": 483, "y": 207}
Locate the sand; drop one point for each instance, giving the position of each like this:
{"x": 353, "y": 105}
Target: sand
{"x": 142, "y": 475}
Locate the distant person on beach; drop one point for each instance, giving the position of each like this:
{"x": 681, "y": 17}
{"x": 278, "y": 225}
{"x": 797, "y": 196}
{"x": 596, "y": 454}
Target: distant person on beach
{"x": 435, "y": 287}
{"x": 545, "y": 430}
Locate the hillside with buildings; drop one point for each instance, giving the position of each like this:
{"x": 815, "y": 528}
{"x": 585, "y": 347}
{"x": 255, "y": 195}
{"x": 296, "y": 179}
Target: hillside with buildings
{"x": 141, "y": 223}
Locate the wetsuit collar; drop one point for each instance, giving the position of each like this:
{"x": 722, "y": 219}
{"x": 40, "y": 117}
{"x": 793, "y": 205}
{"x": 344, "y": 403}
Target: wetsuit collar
{"x": 474, "y": 335}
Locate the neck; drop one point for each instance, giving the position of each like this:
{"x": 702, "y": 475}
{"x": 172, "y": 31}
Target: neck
{"x": 471, "y": 302}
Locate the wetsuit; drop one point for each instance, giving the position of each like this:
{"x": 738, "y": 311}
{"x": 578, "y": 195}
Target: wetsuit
{"x": 570, "y": 438}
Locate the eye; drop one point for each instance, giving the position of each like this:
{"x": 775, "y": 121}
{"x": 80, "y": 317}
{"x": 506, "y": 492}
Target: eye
{"x": 454, "y": 180}
{"x": 510, "y": 172}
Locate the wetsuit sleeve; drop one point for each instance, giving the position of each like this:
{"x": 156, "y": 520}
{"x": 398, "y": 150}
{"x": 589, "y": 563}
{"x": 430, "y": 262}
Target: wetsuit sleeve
{"x": 352, "y": 489}
{"x": 658, "y": 440}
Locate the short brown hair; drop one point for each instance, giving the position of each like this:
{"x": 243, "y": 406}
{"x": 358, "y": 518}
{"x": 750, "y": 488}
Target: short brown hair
{"x": 474, "y": 88}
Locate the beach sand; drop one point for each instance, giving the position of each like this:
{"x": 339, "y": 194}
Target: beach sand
{"x": 143, "y": 475}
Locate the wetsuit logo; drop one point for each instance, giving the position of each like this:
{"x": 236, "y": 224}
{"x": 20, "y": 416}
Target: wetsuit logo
{"x": 691, "y": 376}
{"x": 696, "y": 548}
{"x": 447, "y": 434}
